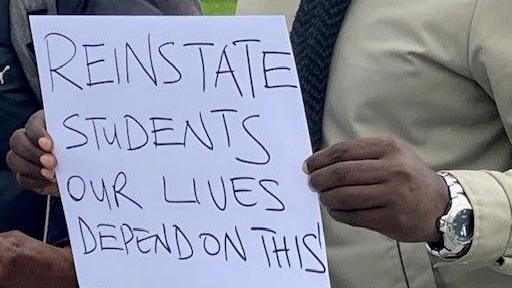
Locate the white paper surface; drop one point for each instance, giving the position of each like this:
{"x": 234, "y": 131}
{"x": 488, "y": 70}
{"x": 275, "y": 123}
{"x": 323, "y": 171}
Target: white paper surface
{"x": 180, "y": 164}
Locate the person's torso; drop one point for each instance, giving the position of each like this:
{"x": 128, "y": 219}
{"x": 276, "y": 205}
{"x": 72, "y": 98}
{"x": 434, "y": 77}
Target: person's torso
{"x": 19, "y": 97}
{"x": 129, "y": 7}
{"x": 401, "y": 68}
{"x": 17, "y": 103}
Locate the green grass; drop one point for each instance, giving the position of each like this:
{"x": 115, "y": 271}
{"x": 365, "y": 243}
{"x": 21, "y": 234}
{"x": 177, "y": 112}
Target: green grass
{"x": 219, "y": 7}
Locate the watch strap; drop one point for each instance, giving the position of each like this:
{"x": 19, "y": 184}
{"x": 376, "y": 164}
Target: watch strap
{"x": 446, "y": 248}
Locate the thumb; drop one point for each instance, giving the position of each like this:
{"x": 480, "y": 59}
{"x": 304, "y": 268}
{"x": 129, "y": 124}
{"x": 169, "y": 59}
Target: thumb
{"x": 36, "y": 132}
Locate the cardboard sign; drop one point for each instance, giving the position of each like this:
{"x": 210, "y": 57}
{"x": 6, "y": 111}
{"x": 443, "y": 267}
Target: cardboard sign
{"x": 180, "y": 142}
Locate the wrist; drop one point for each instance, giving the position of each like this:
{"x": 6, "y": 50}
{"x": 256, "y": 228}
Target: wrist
{"x": 441, "y": 207}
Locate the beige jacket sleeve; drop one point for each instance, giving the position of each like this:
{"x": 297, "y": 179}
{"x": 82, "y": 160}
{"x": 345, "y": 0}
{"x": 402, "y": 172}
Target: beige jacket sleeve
{"x": 490, "y": 192}
{"x": 269, "y": 7}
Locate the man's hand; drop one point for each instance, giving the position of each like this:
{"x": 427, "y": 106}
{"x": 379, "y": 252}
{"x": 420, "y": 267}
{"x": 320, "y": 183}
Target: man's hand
{"x": 31, "y": 157}
{"x": 28, "y": 263}
{"x": 380, "y": 184}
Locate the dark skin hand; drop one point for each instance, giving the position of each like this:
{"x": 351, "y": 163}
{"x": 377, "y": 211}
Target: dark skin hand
{"x": 380, "y": 184}
{"x": 28, "y": 263}
{"x": 31, "y": 157}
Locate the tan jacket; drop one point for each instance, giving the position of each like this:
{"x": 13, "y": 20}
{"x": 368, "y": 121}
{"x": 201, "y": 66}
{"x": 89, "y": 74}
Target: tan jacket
{"x": 278, "y": 7}
{"x": 437, "y": 74}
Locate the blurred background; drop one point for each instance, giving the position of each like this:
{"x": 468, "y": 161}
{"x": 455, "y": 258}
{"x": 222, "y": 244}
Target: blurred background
{"x": 219, "y": 7}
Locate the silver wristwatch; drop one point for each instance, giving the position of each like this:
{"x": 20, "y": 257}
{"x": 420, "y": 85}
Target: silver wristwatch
{"x": 456, "y": 226}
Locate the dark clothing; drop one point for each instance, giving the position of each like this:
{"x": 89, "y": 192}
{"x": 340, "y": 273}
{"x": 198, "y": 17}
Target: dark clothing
{"x": 129, "y": 7}
{"x": 94, "y": 7}
{"x": 22, "y": 210}
{"x": 19, "y": 210}
{"x": 314, "y": 35}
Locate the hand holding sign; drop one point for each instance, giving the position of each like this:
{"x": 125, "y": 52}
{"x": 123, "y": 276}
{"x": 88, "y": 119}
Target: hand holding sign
{"x": 180, "y": 151}
{"x": 31, "y": 157}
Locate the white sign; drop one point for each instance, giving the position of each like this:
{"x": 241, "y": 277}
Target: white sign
{"x": 180, "y": 143}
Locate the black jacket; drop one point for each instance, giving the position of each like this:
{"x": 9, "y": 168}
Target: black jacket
{"x": 129, "y": 7}
{"x": 23, "y": 210}
{"x": 19, "y": 210}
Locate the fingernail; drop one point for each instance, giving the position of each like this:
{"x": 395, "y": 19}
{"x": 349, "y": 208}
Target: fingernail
{"x": 45, "y": 143}
{"x": 47, "y": 161}
{"x": 48, "y": 174}
{"x": 305, "y": 168}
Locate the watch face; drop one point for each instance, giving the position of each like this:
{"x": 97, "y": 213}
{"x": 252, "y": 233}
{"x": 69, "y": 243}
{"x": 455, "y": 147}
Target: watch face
{"x": 463, "y": 226}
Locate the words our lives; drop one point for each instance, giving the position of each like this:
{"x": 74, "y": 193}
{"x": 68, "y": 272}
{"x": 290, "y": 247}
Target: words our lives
{"x": 183, "y": 147}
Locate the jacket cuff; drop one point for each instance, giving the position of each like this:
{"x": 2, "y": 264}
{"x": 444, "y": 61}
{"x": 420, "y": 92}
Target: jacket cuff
{"x": 493, "y": 220}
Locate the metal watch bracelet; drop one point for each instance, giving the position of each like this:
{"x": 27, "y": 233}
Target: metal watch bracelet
{"x": 454, "y": 225}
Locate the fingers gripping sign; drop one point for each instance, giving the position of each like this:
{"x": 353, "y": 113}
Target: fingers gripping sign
{"x": 31, "y": 157}
{"x": 380, "y": 184}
